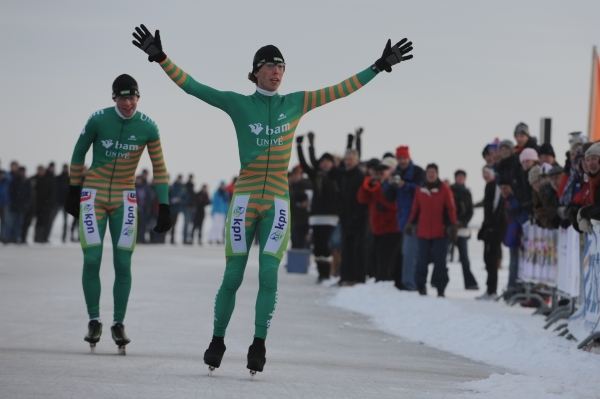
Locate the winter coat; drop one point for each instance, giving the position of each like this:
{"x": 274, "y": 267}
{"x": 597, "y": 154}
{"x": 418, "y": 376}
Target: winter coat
{"x": 201, "y": 201}
{"x": 531, "y": 143}
{"x": 353, "y": 214}
{"x": 298, "y": 212}
{"x": 62, "y": 188}
{"x": 464, "y": 204}
{"x": 176, "y": 198}
{"x": 412, "y": 176}
{"x": 493, "y": 227}
{"x": 433, "y": 210}
{"x": 14, "y": 190}
{"x": 4, "y": 200}
{"x": 326, "y": 187}
{"x": 382, "y": 213}
{"x": 220, "y": 202}
{"x": 547, "y": 214}
{"x": 516, "y": 217}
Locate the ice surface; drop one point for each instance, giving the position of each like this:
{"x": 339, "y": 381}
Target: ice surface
{"x": 314, "y": 350}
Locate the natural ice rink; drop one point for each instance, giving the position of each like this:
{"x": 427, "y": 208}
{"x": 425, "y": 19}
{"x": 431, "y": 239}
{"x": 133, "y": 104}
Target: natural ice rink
{"x": 368, "y": 341}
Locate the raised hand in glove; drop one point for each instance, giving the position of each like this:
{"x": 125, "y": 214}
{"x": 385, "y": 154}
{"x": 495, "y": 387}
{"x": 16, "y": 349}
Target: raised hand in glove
{"x": 452, "y": 233}
{"x": 163, "y": 221}
{"x": 311, "y": 138}
{"x": 299, "y": 139}
{"x": 73, "y": 200}
{"x": 393, "y": 55}
{"x": 151, "y": 45}
{"x": 409, "y": 229}
{"x": 359, "y": 132}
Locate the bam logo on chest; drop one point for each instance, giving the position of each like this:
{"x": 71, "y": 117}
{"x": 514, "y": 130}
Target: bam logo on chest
{"x": 119, "y": 146}
{"x": 257, "y": 128}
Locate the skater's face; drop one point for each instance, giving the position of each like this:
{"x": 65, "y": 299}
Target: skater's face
{"x": 269, "y": 76}
{"x": 127, "y": 105}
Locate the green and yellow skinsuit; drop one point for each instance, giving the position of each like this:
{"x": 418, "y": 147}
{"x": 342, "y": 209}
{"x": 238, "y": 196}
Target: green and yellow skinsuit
{"x": 265, "y": 126}
{"x": 108, "y": 195}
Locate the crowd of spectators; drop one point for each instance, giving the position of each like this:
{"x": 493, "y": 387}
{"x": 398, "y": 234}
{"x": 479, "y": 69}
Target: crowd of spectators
{"x": 390, "y": 218}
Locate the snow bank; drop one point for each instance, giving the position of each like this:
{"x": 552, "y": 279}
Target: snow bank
{"x": 490, "y": 332}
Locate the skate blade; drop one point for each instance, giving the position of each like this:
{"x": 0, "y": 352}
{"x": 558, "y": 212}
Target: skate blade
{"x": 210, "y": 370}
{"x": 252, "y": 374}
{"x": 121, "y": 350}
{"x": 92, "y": 349}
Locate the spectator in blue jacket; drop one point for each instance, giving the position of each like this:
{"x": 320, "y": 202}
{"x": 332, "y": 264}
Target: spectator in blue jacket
{"x": 401, "y": 188}
{"x": 220, "y": 206}
{"x": 516, "y": 216}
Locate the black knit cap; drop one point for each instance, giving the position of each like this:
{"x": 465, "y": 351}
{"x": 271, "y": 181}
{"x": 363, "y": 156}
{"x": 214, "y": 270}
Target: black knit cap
{"x": 546, "y": 149}
{"x": 125, "y": 85}
{"x": 266, "y": 54}
{"x": 326, "y": 156}
{"x": 432, "y": 166}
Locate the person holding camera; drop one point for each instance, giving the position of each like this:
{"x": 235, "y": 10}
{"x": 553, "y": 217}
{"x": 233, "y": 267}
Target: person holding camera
{"x": 387, "y": 239}
{"x": 400, "y": 187}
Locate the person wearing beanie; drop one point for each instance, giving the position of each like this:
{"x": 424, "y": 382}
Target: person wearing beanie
{"x": 385, "y": 255}
{"x": 509, "y": 168}
{"x": 265, "y": 124}
{"x": 324, "y": 210}
{"x": 546, "y": 154}
{"x": 432, "y": 207}
{"x": 118, "y": 136}
{"x": 591, "y": 211}
{"x": 528, "y": 157}
{"x": 401, "y": 187}
{"x": 464, "y": 213}
{"x": 524, "y": 139}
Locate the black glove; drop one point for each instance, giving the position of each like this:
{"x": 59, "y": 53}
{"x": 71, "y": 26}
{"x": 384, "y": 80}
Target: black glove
{"x": 350, "y": 140}
{"x": 452, "y": 233}
{"x": 299, "y": 139}
{"x": 73, "y": 199}
{"x": 311, "y": 138}
{"x": 586, "y": 211}
{"x": 393, "y": 55}
{"x": 151, "y": 45}
{"x": 409, "y": 229}
{"x": 359, "y": 132}
{"x": 163, "y": 221}
{"x": 373, "y": 182}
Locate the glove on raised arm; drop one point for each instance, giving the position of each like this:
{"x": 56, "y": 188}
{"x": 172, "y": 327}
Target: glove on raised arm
{"x": 151, "y": 45}
{"x": 393, "y": 55}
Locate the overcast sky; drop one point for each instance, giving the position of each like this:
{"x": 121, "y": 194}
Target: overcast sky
{"x": 479, "y": 68}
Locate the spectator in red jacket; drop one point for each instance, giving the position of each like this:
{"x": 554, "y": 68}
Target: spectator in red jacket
{"x": 387, "y": 239}
{"x": 434, "y": 214}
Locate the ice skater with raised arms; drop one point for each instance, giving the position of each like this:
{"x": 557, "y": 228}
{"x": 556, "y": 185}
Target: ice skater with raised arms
{"x": 265, "y": 123}
{"x": 118, "y": 136}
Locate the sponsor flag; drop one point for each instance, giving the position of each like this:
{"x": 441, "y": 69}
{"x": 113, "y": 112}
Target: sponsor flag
{"x": 594, "y": 122}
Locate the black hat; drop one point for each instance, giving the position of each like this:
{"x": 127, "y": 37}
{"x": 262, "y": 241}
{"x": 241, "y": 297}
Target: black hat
{"x": 124, "y": 85}
{"x": 432, "y": 166}
{"x": 266, "y": 54}
{"x": 372, "y": 163}
{"x": 546, "y": 149}
{"x": 326, "y": 156}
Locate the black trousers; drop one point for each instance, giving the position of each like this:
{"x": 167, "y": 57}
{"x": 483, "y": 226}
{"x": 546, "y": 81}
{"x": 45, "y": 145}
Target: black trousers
{"x": 387, "y": 256}
{"x": 353, "y": 255}
{"x": 492, "y": 253}
{"x": 320, "y": 239}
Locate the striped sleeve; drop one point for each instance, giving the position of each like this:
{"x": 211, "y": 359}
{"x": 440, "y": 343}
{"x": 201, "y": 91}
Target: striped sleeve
{"x": 85, "y": 141}
{"x": 159, "y": 170}
{"x": 316, "y": 98}
{"x": 216, "y": 98}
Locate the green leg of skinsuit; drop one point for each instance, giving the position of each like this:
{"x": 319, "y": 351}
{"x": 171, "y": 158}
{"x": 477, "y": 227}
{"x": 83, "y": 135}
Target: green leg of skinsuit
{"x": 268, "y": 268}
{"x": 92, "y": 257}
